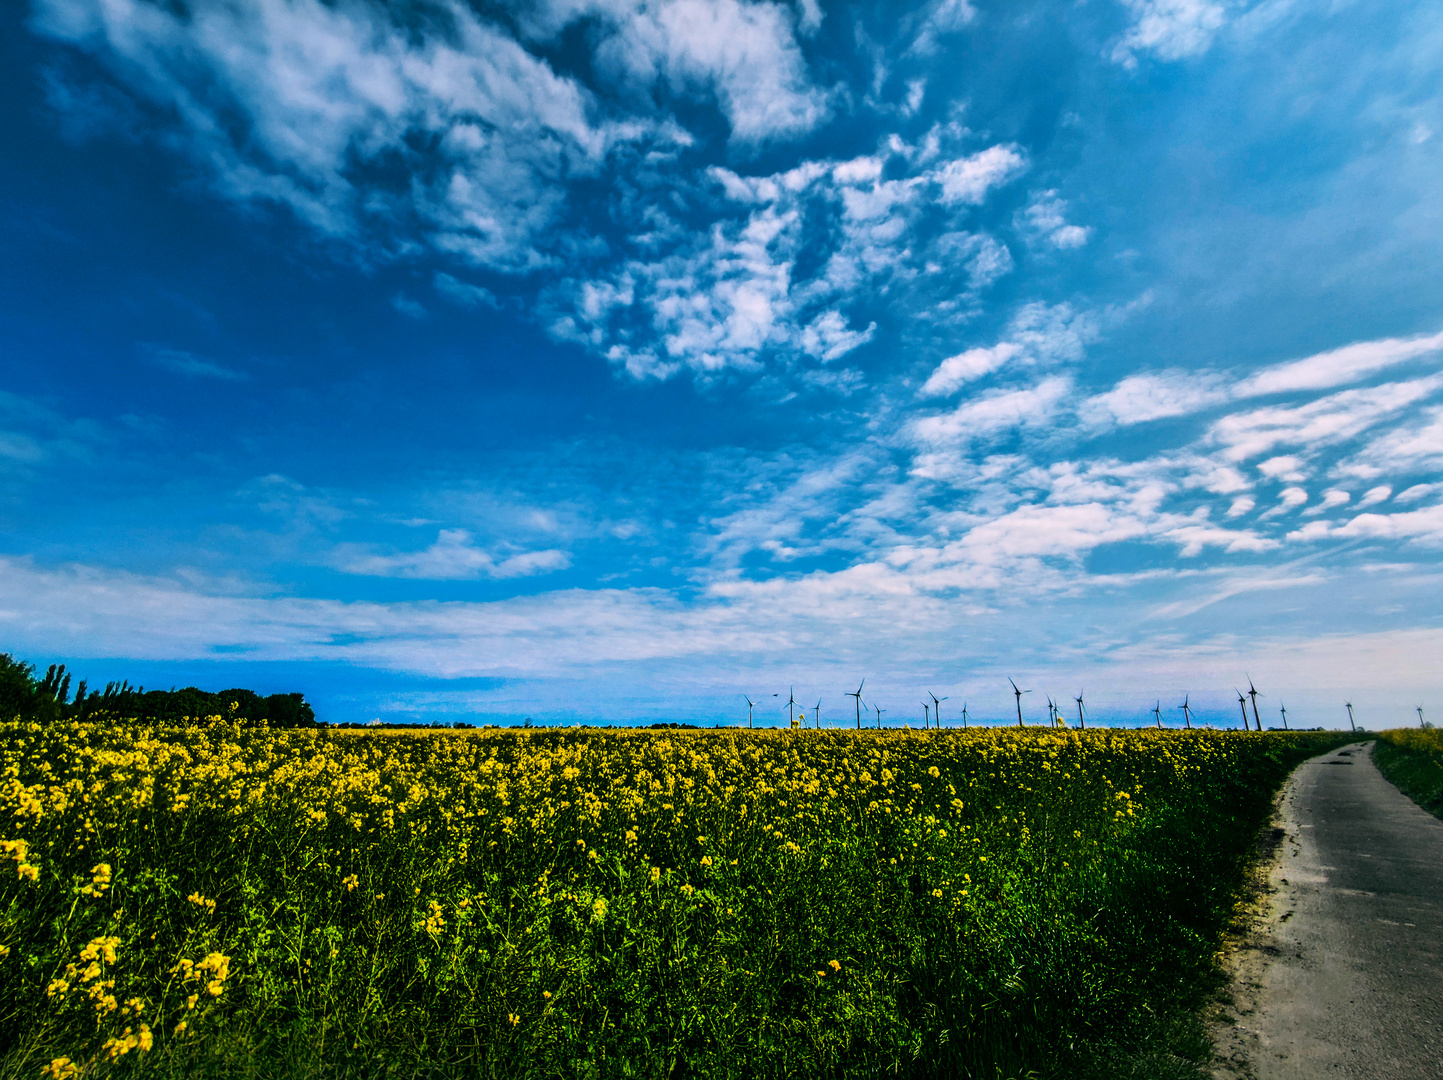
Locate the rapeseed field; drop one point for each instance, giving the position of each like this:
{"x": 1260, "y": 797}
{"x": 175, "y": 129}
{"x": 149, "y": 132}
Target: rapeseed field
{"x": 234, "y": 901}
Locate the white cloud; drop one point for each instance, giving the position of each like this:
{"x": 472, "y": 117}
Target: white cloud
{"x": 1137, "y": 399}
{"x": 828, "y": 337}
{"x": 1423, "y": 526}
{"x": 1373, "y": 496}
{"x": 464, "y": 293}
{"x": 953, "y": 372}
{"x": 1338, "y": 366}
{"x": 408, "y": 307}
{"x": 942, "y": 17}
{"x": 991, "y": 261}
{"x": 727, "y": 298}
{"x": 1328, "y": 420}
{"x": 1046, "y": 218}
{"x": 1041, "y": 531}
{"x": 1193, "y": 536}
{"x": 33, "y": 435}
{"x": 969, "y": 179}
{"x": 1405, "y": 448}
{"x": 810, "y": 19}
{"x": 916, "y": 90}
{"x": 1290, "y": 499}
{"x": 743, "y": 53}
{"x": 1416, "y": 492}
{"x": 452, "y": 558}
{"x": 1285, "y": 467}
{"x": 1332, "y": 499}
{"x": 281, "y": 99}
{"x": 1156, "y": 395}
{"x": 1056, "y": 333}
{"x": 1172, "y": 29}
{"x": 1032, "y": 406}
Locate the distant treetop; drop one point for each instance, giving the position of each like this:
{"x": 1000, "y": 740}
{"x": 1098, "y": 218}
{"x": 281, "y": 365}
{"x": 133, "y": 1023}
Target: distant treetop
{"x": 47, "y": 699}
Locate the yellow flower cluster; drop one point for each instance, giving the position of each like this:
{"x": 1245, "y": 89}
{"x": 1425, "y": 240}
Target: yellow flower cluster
{"x": 19, "y": 850}
{"x": 210, "y": 972}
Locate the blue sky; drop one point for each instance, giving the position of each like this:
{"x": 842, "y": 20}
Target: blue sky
{"x": 607, "y": 359}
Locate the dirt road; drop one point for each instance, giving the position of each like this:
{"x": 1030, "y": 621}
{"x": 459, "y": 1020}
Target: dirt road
{"x": 1342, "y": 976}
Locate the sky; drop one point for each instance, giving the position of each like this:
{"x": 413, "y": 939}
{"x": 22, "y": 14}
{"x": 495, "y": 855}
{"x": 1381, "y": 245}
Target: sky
{"x": 609, "y": 360}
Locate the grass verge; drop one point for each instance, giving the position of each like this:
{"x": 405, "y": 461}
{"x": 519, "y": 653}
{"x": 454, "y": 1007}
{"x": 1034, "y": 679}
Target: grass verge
{"x": 1412, "y": 759}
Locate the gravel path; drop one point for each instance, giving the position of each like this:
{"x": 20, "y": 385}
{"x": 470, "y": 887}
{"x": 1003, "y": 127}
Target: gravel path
{"x": 1342, "y": 973}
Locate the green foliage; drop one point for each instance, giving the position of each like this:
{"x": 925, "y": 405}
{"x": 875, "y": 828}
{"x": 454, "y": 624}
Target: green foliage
{"x": 622, "y": 904}
{"x": 1412, "y": 758}
{"x": 47, "y": 700}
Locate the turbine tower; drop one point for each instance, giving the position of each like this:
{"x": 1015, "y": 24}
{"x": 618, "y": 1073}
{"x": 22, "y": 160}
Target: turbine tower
{"x": 1243, "y": 704}
{"x": 1284, "y": 710}
{"x": 964, "y": 716}
{"x": 1351, "y": 726}
{"x": 1081, "y": 723}
{"x": 879, "y": 716}
{"x": 857, "y": 694}
{"x": 1018, "y": 694}
{"x": 1186, "y": 712}
{"x": 817, "y": 713}
{"x": 791, "y": 704}
{"x": 936, "y": 708}
{"x": 926, "y": 714}
{"x": 1051, "y": 712}
{"x": 751, "y": 705}
{"x": 1253, "y": 693}
{"x": 1157, "y": 711}
{"x": 1420, "y": 715}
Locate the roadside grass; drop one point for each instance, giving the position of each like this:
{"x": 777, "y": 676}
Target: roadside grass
{"x": 219, "y": 901}
{"x": 1412, "y": 759}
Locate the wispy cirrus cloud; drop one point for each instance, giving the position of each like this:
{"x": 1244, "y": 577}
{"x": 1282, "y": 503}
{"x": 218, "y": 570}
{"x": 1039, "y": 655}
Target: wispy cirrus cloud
{"x": 1169, "y": 29}
{"x": 1338, "y": 367}
{"x": 731, "y": 297}
{"x": 282, "y": 101}
{"x": 195, "y": 367}
{"x": 453, "y": 557}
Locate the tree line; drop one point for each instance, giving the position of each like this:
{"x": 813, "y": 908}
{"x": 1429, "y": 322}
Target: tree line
{"x": 47, "y": 699}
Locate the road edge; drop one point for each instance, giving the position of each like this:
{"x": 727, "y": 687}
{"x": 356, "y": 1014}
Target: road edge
{"x": 1249, "y": 942}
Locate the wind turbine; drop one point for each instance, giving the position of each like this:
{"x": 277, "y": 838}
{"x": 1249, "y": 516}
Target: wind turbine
{"x": 1253, "y": 693}
{"x": 1081, "y": 723}
{"x": 791, "y": 703}
{"x": 926, "y": 716}
{"x": 817, "y": 713}
{"x": 879, "y": 717}
{"x": 1420, "y": 714}
{"x": 964, "y": 716}
{"x": 1186, "y": 711}
{"x": 857, "y": 693}
{"x": 1351, "y": 725}
{"x": 1243, "y": 704}
{"x": 1157, "y": 711}
{"x": 1284, "y": 710}
{"x": 1018, "y": 693}
{"x": 936, "y": 708}
{"x": 752, "y": 705}
{"x": 1051, "y": 711}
